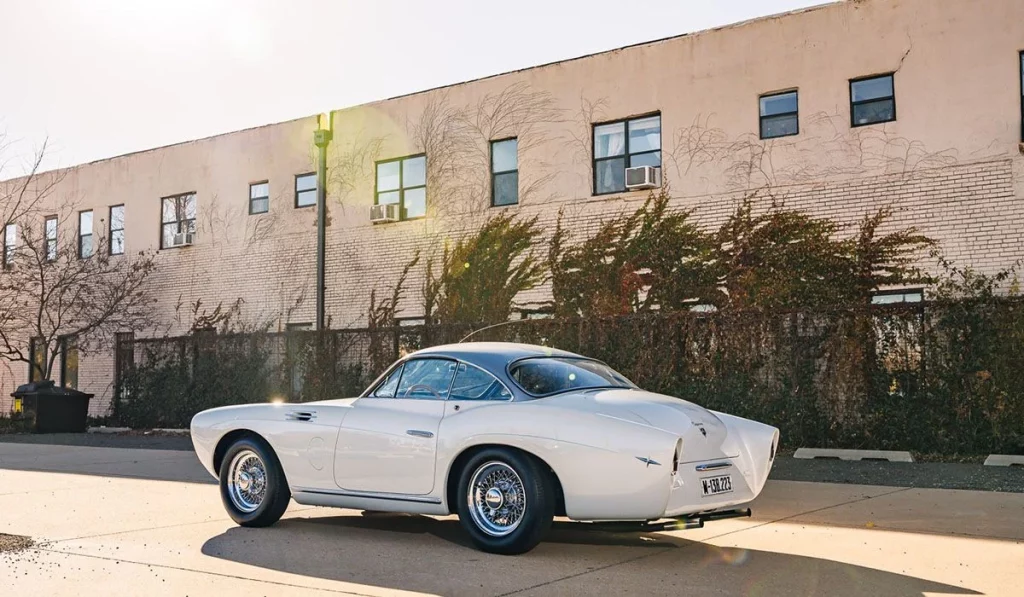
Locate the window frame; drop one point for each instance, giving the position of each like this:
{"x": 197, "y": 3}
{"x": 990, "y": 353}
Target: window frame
{"x": 111, "y": 230}
{"x": 68, "y": 343}
{"x": 51, "y": 255}
{"x": 508, "y": 372}
{"x": 910, "y": 290}
{"x": 401, "y": 185}
{"x": 295, "y": 187}
{"x": 495, "y": 173}
{"x": 36, "y": 347}
{"x": 92, "y": 226}
{"x": 178, "y": 222}
{"x": 761, "y": 117}
{"x": 853, "y": 121}
{"x": 626, "y": 155}
{"x": 267, "y": 197}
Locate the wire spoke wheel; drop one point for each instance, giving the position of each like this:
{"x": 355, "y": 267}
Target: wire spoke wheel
{"x": 497, "y": 498}
{"x": 247, "y": 481}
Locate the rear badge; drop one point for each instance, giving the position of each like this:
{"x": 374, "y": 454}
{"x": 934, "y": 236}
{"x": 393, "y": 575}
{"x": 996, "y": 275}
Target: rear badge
{"x": 648, "y": 461}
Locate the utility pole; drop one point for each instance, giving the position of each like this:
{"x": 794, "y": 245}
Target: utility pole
{"x": 321, "y": 138}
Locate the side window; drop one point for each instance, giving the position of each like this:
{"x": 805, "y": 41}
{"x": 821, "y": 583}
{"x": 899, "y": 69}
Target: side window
{"x": 426, "y": 378}
{"x": 473, "y": 383}
{"x": 387, "y": 388}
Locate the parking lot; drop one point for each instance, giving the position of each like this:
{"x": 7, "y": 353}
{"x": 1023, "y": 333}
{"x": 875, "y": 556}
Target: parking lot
{"x": 149, "y": 522}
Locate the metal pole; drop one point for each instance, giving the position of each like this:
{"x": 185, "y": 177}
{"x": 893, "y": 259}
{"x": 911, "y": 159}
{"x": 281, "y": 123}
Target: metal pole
{"x": 321, "y": 138}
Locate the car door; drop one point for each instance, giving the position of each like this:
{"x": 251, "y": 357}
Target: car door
{"x": 388, "y": 442}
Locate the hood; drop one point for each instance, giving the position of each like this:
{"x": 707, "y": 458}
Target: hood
{"x": 704, "y": 434}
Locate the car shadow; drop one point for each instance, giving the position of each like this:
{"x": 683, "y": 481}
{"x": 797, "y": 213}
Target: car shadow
{"x": 424, "y": 554}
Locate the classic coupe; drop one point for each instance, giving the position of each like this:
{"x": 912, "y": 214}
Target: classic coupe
{"x": 506, "y": 436}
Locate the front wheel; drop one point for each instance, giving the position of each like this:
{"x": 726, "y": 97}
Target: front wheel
{"x": 252, "y": 483}
{"x": 506, "y": 501}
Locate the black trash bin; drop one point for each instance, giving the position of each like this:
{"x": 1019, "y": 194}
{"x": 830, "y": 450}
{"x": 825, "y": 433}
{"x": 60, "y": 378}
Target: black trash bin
{"x": 53, "y": 409}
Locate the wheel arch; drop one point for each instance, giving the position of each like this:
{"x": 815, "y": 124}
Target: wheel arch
{"x": 455, "y": 471}
{"x": 231, "y": 437}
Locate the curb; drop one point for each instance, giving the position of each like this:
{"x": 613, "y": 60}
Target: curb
{"x": 112, "y": 430}
{"x": 107, "y": 429}
{"x": 889, "y": 455}
{"x": 1004, "y": 460}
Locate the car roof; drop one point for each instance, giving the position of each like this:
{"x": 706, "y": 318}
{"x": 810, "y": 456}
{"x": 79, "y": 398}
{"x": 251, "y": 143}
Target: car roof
{"x": 490, "y": 353}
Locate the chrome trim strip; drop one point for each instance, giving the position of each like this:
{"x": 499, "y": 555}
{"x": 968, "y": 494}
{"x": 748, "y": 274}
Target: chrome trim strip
{"x": 714, "y": 466}
{"x": 370, "y": 496}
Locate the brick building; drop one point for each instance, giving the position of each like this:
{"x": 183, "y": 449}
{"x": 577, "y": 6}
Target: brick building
{"x": 838, "y": 110}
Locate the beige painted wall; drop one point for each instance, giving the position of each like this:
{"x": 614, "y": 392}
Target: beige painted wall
{"x": 950, "y": 164}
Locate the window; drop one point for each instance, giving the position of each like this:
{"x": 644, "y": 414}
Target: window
{"x": 426, "y": 378}
{"x": 124, "y": 358}
{"x": 305, "y": 189}
{"x": 85, "y": 248}
{"x": 505, "y": 172}
{"x": 51, "y": 238}
{"x": 1022, "y": 96}
{"x": 892, "y": 297}
{"x": 10, "y": 243}
{"x": 779, "y": 115}
{"x": 259, "y": 196}
{"x": 543, "y": 376}
{"x": 403, "y": 181}
{"x": 117, "y": 230}
{"x": 69, "y": 362}
{"x": 473, "y": 383}
{"x": 872, "y": 100}
{"x": 387, "y": 388}
{"x": 177, "y": 216}
{"x": 624, "y": 144}
{"x": 37, "y": 360}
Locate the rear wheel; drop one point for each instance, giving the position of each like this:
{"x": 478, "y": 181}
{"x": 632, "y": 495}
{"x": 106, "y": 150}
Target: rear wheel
{"x": 252, "y": 483}
{"x": 506, "y": 501}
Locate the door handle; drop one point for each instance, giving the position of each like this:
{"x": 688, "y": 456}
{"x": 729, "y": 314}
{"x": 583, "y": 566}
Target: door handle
{"x": 419, "y": 433}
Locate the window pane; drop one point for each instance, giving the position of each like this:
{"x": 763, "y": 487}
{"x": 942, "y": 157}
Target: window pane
{"x": 645, "y": 159}
{"x": 51, "y": 228}
{"x": 871, "y": 112}
{"x": 645, "y": 134}
{"x": 257, "y": 191}
{"x": 190, "y": 206}
{"x": 416, "y": 202}
{"x": 506, "y": 188}
{"x": 387, "y": 389}
{"x": 85, "y": 222}
{"x": 85, "y": 245}
{"x": 168, "y": 234}
{"x": 414, "y": 172}
{"x": 389, "y": 197}
{"x": 870, "y": 89}
{"x": 609, "y": 140}
{"x": 778, "y": 104}
{"x": 10, "y": 234}
{"x": 117, "y": 242}
{"x": 610, "y": 176}
{"x": 305, "y": 182}
{"x": 388, "y": 176}
{"x": 778, "y": 126}
{"x": 51, "y": 250}
{"x": 168, "y": 211}
{"x": 504, "y": 155}
{"x": 426, "y": 378}
{"x": 117, "y": 217}
{"x": 306, "y": 198}
{"x": 472, "y": 383}
{"x": 259, "y": 206}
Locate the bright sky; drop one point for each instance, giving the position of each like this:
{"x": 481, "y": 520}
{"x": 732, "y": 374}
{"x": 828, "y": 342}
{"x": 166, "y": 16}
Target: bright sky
{"x": 105, "y": 77}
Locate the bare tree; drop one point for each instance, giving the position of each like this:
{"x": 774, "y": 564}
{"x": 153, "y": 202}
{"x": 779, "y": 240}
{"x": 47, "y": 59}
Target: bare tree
{"x": 49, "y": 292}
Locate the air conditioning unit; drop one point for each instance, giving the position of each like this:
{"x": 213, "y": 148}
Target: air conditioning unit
{"x": 643, "y": 177}
{"x": 182, "y": 239}
{"x": 385, "y": 212}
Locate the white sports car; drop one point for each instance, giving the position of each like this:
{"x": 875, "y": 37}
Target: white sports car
{"x": 507, "y": 436}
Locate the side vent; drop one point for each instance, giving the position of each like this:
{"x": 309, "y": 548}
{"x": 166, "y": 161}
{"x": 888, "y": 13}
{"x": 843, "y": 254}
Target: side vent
{"x": 301, "y": 415}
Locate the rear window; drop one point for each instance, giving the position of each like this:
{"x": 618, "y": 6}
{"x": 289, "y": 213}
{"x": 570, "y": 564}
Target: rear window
{"x": 543, "y": 376}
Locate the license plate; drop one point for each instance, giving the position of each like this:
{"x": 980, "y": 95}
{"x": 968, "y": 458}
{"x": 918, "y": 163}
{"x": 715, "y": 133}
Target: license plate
{"x": 716, "y": 485}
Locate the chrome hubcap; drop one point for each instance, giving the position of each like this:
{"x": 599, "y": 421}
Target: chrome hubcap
{"x": 497, "y": 498}
{"x": 247, "y": 481}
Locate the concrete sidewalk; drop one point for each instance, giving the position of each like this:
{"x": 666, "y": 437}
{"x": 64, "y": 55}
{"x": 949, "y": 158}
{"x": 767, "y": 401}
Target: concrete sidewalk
{"x": 150, "y": 522}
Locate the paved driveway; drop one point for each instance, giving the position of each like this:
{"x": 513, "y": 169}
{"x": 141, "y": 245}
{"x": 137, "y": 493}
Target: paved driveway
{"x": 149, "y": 522}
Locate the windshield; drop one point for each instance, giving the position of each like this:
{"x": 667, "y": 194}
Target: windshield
{"x": 543, "y": 376}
